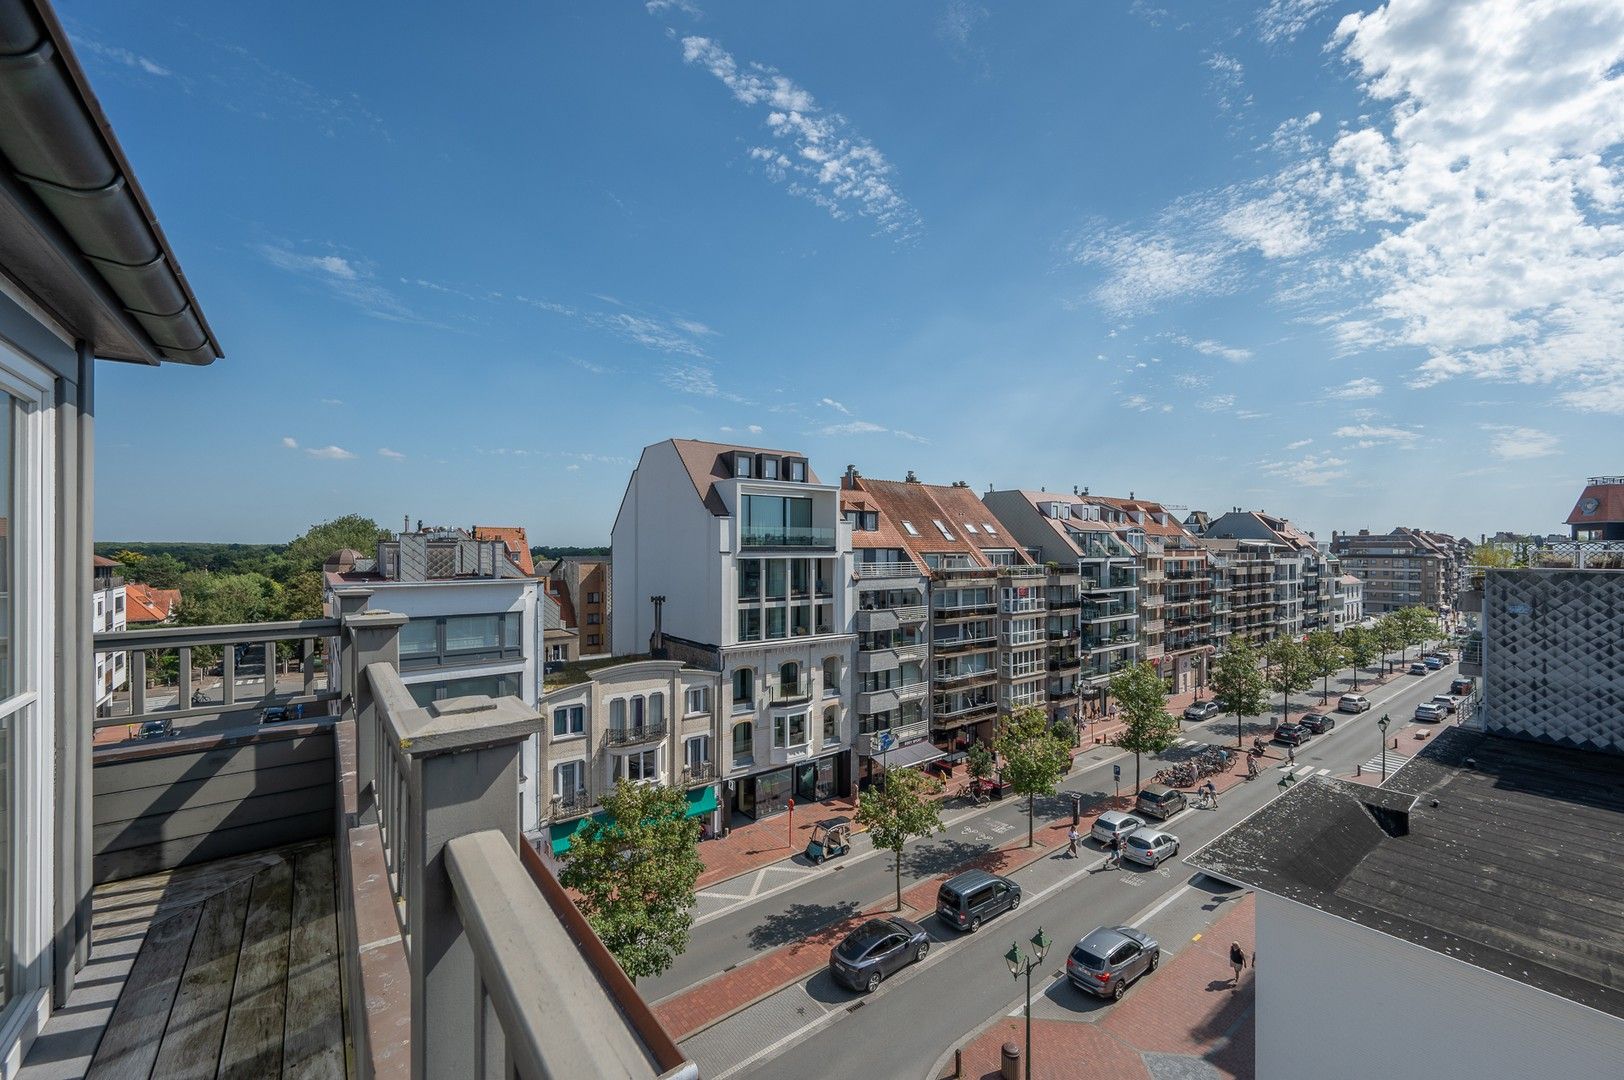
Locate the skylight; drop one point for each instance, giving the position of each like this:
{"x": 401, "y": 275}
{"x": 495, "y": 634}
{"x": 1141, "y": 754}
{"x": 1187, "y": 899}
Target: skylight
{"x": 908, "y": 525}
{"x": 941, "y": 528}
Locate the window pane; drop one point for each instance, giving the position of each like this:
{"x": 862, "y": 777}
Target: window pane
{"x": 419, "y": 637}
{"x": 469, "y": 632}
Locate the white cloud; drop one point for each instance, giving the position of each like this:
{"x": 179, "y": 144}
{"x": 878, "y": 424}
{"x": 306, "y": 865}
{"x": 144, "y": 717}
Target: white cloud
{"x": 122, "y": 56}
{"x": 331, "y": 401}
{"x": 350, "y": 281}
{"x": 1299, "y": 444}
{"x": 817, "y": 154}
{"x": 1226, "y": 81}
{"x": 1208, "y": 347}
{"x": 589, "y": 366}
{"x": 1190, "y": 381}
{"x": 851, "y": 427}
{"x": 1283, "y": 20}
{"x": 1513, "y": 443}
{"x": 290, "y": 442}
{"x": 1353, "y": 389}
{"x": 1250, "y": 414}
{"x": 686, "y": 7}
{"x": 1373, "y": 435}
{"x": 1143, "y": 270}
{"x": 572, "y": 467}
{"x": 748, "y": 429}
{"x": 329, "y": 453}
{"x": 835, "y": 405}
{"x": 1310, "y": 470}
{"x": 1217, "y": 403}
{"x": 394, "y": 455}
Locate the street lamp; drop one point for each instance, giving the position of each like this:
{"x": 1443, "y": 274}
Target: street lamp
{"x": 1022, "y": 963}
{"x": 1382, "y": 723}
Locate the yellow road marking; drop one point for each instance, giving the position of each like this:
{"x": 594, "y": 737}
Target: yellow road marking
{"x": 1196, "y": 938}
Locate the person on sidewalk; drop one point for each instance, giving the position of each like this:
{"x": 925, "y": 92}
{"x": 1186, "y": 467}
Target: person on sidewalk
{"x": 1291, "y": 753}
{"x": 1237, "y": 960}
{"x": 1251, "y": 768}
{"x": 1071, "y": 843}
{"x": 1209, "y": 795}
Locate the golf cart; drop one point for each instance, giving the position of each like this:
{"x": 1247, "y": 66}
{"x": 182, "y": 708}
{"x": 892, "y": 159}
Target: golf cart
{"x": 831, "y": 837}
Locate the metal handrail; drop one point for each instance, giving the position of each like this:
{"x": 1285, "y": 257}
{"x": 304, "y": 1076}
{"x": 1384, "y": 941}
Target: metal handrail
{"x": 629, "y": 734}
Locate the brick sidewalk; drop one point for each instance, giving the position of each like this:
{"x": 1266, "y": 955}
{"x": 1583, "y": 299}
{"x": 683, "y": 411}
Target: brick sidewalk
{"x": 1185, "y": 1009}
{"x": 761, "y": 843}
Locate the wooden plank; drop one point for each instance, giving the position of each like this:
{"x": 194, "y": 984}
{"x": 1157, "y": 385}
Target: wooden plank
{"x": 114, "y": 865}
{"x": 134, "y": 1031}
{"x": 156, "y": 768}
{"x": 112, "y": 807}
{"x": 202, "y": 820}
{"x": 252, "y": 1049}
{"x": 313, "y": 1040}
{"x": 197, "y": 1022}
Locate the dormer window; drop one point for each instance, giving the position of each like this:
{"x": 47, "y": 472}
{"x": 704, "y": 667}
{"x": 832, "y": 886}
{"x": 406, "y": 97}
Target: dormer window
{"x": 769, "y": 467}
{"x": 743, "y": 466}
{"x": 795, "y": 469}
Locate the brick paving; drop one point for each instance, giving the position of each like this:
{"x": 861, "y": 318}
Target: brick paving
{"x": 1186, "y": 1009}
{"x": 755, "y": 844}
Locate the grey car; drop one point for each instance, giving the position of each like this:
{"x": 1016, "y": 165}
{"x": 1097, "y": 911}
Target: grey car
{"x": 1114, "y": 823}
{"x": 1110, "y": 958}
{"x": 1201, "y": 710}
{"x": 877, "y": 950}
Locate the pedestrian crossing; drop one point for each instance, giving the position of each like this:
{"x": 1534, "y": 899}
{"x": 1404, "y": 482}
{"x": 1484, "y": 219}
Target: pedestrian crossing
{"x": 1394, "y": 761}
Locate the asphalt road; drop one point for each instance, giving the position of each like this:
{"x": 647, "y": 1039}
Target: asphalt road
{"x": 928, "y": 1008}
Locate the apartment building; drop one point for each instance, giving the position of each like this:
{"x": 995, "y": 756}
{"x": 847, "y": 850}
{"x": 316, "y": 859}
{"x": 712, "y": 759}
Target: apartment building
{"x": 983, "y": 624}
{"x": 737, "y": 559}
{"x": 583, "y": 583}
{"x": 1100, "y": 635}
{"x": 1243, "y": 590}
{"x": 1348, "y": 601}
{"x": 474, "y": 621}
{"x": 1404, "y": 568}
{"x": 1302, "y": 586}
{"x": 1599, "y": 513}
{"x": 108, "y": 613}
{"x": 560, "y": 642}
{"x": 645, "y": 721}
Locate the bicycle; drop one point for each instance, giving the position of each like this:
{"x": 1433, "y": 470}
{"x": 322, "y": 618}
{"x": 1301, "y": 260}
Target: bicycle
{"x": 975, "y": 791}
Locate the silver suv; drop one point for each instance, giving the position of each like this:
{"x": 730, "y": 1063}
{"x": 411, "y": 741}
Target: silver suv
{"x": 1114, "y": 823}
{"x": 1110, "y": 958}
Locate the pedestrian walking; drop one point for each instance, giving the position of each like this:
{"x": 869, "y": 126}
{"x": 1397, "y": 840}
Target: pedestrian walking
{"x": 1115, "y": 858}
{"x": 1071, "y": 844}
{"x": 1251, "y": 768}
{"x": 1291, "y": 753}
{"x": 1237, "y": 960}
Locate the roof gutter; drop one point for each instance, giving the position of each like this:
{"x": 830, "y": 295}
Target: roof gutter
{"x": 58, "y": 143}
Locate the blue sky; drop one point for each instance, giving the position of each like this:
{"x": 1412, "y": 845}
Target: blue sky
{"x": 1357, "y": 265}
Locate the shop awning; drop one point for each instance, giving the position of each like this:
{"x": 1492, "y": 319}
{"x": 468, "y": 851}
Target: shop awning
{"x": 904, "y": 757}
{"x": 700, "y": 801}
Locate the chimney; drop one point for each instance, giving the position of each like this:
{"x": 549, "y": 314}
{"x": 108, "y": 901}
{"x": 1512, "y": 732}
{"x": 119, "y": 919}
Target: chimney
{"x": 1074, "y": 489}
{"x": 910, "y": 478}
{"x": 405, "y": 523}
{"x": 419, "y": 524}
{"x": 1130, "y": 494}
{"x": 849, "y": 482}
{"x": 656, "y": 640}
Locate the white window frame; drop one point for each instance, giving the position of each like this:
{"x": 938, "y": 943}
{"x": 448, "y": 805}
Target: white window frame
{"x": 623, "y": 770}
{"x": 699, "y": 694}
{"x": 31, "y": 874}
{"x": 688, "y": 755}
{"x": 575, "y": 725}
{"x": 578, "y": 768}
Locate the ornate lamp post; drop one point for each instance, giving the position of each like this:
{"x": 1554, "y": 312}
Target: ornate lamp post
{"x": 1382, "y": 723}
{"x": 1022, "y": 963}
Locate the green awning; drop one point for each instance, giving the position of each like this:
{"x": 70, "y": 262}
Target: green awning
{"x": 701, "y": 801}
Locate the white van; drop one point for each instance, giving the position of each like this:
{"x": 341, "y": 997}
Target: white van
{"x": 1354, "y": 703}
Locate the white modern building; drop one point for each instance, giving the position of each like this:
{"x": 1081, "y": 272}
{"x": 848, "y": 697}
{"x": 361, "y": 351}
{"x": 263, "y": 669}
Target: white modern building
{"x": 108, "y": 614}
{"x": 1462, "y": 921}
{"x": 737, "y": 559}
{"x": 1348, "y": 601}
{"x": 475, "y": 623}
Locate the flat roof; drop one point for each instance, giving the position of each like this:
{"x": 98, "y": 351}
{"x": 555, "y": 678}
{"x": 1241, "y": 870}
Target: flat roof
{"x": 1518, "y": 869}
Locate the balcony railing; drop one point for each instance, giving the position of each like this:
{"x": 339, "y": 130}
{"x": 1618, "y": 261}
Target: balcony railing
{"x": 785, "y": 536}
{"x": 631, "y": 735}
{"x": 573, "y": 804}
{"x": 887, "y": 569}
{"x": 868, "y": 743}
{"x": 911, "y": 613}
{"x": 698, "y": 773}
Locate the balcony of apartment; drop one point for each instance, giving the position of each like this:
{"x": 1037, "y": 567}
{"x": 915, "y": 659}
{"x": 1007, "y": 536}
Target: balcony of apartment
{"x": 889, "y": 659}
{"x": 1023, "y": 605}
{"x": 343, "y": 894}
{"x": 635, "y": 734}
{"x": 1013, "y": 638}
{"x": 869, "y": 743}
{"x": 797, "y": 691}
{"x": 892, "y": 697}
{"x": 1152, "y": 626}
{"x": 572, "y": 804}
{"x": 954, "y": 610}
{"x": 757, "y": 537}
{"x": 1064, "y": 599}
{"x": 1063, "y": 577}
{"x": 1064, "y": 659}
{"x": 1152, "y": 576}
{"x": 871, "y": 571}
{"x": 960, "y": 575}
{"x": 966, "y": 679}
{"x": 948, "y": 713}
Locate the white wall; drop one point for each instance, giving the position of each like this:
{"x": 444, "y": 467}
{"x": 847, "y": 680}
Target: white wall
{"x": 1338, "y": 1001}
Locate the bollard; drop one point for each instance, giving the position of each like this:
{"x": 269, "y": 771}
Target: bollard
{"x": 1010, "y": 1064}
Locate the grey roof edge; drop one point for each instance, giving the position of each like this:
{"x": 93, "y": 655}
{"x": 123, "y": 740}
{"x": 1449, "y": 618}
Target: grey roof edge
{"x": 102, "y": 203}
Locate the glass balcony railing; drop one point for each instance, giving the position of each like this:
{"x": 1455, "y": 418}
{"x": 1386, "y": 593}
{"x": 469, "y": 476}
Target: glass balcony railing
{"x": 770, "y": 536}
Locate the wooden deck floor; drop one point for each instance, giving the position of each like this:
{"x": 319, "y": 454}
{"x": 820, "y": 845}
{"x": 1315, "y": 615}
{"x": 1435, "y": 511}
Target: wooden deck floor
{"x": 230, "y": 969}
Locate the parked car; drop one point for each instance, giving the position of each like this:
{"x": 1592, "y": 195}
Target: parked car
{"x": 1291, "y": 733}
{"x": 1108, "y": 958}
{"x": 275, "y": 714}
{"x": 1318, "y": 723}
{"x": 1202, "y": 710}
{"x": 1160, "y": 801}
{"x": 1429, "y": 712}
{"x": 877, "y": 949}
{"x": 1461, "y": 686}
{"x": 1354, "y": 703}
{"x": 155, "y": 729}
{"x": 1447, "y": 702}
{"x": 966, "y": 899}
{"x": 1418, "y": 668}
{"x": 1149, "y": 847}
{"x": 1114, "y": 823}
{"x": 1434, "y": 663}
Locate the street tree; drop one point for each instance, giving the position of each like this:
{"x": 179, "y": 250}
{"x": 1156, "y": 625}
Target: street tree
{"x": 1238, "y": 683}
{"x": 1389, "y": 635}
{"x": 1361, "y": 645}
{"x": 898, "y": 809}
{"x": 1501, "y": 556}
{"x": 634, "y": 869}
{"x": 309, "y": 551}
{"x": 979, "y": 762}
{"x": 1150, "y": 729}
{"x": 1034, "y": 760}
{"x": 1325, "y": 658}
{"x": 1286, "y": 670}
{"x": 1421, "y": 625}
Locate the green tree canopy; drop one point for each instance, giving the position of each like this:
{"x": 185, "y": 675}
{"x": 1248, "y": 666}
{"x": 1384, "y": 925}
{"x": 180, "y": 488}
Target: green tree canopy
{"x": 1326, "y": 656}
{"x": 160, "y": 570}
{"x": 1142, "y": 696}
{"x": 1286, "y": 670}
{"x": 634, "y": 869}
{"x": 980, "y": 762}
{"x": 309, "y": 551}
{"x": 1034, "y": 760}
{"x": 898, "y": 809}
{"x": 1361, "y": 646}
{"x": 1238, "y": 682}
{"x": 212, "y": 599}
{"x": 1420, "y": 624}
{"x": 1389, "y": 634}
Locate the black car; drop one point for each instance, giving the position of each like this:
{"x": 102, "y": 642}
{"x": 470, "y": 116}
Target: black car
{"x": 275, "y": 714}
{"x": 876, "y": 950}
{"x": 1291, "y": 733}
{"x": 1318, "y": 723}
{"x": 1202, "y": 710}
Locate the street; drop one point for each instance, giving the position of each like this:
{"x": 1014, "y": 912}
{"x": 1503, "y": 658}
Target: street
{"x": 903, "y": 1027}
